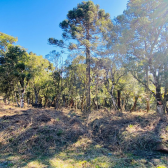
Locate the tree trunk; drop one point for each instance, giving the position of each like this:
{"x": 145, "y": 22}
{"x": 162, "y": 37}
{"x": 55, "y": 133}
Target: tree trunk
{"x": 123, "y": 104}
{"x": 113, "y": 99}
{"x": 166, "y": 88}
{"x": 82, "y": 105}
{"x": 135, "y": 102}
{"x": 159, "y": 108}
{"x": 114, "y": 103}
{"x": 119, "y": 97}
{"x": 87, "y": 71}
{"x": 87, "y": 80}
{"x": 165, "y": 101}
{"x": 8, "y": 100}
{"x": 126, "y": 103}
{"x": 147, "y": 99}
{"x": 71, "y": 103}
{"x": 64, "y": 100}
{"x": 97, "y": 91}
{"x": 56, "y": 103}
{"x": 4, "y": 98}
{"x": 28, "y": 101}
{"x": 36, "y": 95}
{"x": 32, "y": 98}
{"x": 22, "y": 99}
{"x": 76, "y": 104}
{"x": 45, "y": 100}
{"x": 16, "y": 100}
{"x": 12, "y": 98}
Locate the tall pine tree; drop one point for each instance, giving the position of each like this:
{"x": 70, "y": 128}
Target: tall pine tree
{"x": 86, "y": 24}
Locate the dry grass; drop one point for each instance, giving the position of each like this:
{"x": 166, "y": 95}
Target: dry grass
{"x": 129, "y": 131}
{"x": 47, "y": 138}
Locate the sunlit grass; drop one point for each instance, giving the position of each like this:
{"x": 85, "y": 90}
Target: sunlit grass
{"x": 61, "y": 163}
{"x": 35, "y": 164}
{"x": 161, "y": 166}
{"x": 82, "y": 162}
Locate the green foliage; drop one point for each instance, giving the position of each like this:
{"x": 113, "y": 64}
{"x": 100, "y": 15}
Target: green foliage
{"x": 75, "y": 26}
{"x": 86, "y": 24}
{"x": 5, "y": 42}
{"x": 60, "y": 132}
{"x": 128, "y": 56}
{"x": 138, "y": 38}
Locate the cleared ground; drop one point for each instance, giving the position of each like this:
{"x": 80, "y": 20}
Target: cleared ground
{"x": 48, "y": 138}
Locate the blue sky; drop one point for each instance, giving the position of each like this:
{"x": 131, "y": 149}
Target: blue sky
{"x": 34, "y": 21}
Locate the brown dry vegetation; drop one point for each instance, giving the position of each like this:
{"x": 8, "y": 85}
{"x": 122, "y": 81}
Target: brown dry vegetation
{"x": 48, "y": 138}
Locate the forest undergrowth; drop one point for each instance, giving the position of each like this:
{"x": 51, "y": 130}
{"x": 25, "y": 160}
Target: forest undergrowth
{"x": 31, "y": 137}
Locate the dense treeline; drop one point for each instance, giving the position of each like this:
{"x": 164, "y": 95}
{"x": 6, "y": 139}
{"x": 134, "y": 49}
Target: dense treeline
{"x": 118, "y": 64}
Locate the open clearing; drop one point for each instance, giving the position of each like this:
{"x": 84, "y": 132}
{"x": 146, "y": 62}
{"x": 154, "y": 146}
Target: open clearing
{"x": 46, "y": 138}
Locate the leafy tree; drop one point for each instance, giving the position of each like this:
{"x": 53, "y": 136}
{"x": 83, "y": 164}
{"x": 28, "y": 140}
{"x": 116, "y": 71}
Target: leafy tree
{"x": 14, "y": 70}
{"x": 39, "y": 67}
{"x": 18, "y": 68}
{"x": 57, "y": 60}
{"x": 75, "y": 81}
{"x": 142, "y": 30}
{"x": 6, "y": 82}
{"x": 5, "y": 42}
